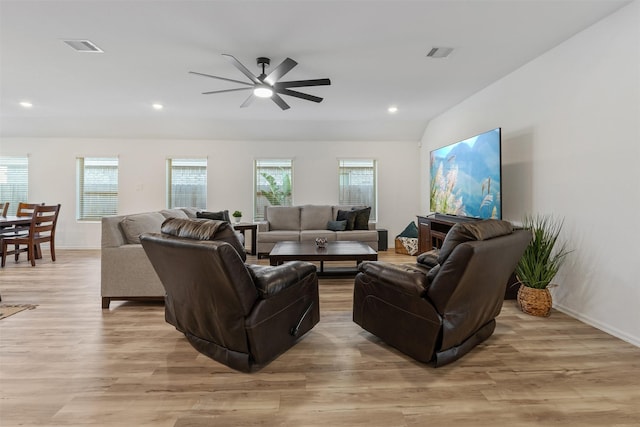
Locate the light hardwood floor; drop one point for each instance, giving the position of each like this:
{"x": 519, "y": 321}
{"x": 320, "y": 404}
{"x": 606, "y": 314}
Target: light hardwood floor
{"x": 70, "y": 363}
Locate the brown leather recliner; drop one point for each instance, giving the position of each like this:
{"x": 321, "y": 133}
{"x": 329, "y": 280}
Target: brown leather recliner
{"x": 241, "y": 315}
{"x": 446, "y": 304}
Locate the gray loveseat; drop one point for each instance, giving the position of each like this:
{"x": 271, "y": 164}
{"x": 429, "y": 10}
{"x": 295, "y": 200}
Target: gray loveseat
{"x": 306, "y": 223}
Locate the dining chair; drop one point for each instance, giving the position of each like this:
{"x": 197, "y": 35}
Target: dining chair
{"x": 4, "y": 207}
{"x": 41, "y": 230}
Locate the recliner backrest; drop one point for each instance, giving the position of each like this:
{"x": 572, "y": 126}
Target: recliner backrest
{"x": 468, "y": 289}
{"x": 209, "y": 290}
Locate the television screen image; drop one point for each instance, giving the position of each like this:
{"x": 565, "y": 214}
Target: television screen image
{"x": 465, "y": 177}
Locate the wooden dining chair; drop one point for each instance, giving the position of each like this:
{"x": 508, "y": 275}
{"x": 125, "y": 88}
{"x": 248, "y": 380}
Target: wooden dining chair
{"x": 41, "y": 230}
{"x": 4, "y": 207}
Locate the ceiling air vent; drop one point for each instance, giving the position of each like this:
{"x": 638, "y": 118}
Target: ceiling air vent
{"x": 83, "y": 46}
{"x": 439, "y": 52}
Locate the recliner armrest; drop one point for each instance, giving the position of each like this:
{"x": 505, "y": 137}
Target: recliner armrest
{"x": 406, "y": 278}
{"x": 272, "y": 280}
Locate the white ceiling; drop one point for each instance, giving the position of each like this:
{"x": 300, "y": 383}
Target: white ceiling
{"x": 374, "y": 52}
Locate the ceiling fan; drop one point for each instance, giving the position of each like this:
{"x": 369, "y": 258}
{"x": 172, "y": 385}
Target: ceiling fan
{"x": 267, "y": 85}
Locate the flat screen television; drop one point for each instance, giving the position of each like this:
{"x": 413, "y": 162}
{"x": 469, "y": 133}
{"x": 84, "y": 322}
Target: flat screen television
{"x": 466, "y": 177}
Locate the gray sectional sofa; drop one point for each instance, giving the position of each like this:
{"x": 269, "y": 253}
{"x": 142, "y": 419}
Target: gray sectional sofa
{"x": 126, "y": 273}
{"x": 306, "y": 223}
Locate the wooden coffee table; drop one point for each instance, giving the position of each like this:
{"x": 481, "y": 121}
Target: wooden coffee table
{"x": 334, "y": 251}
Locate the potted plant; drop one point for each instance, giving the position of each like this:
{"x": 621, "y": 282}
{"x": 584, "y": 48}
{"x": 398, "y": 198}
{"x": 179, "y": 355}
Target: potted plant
{"x": 540, "y": 263}
{"x": 237, "y": 216}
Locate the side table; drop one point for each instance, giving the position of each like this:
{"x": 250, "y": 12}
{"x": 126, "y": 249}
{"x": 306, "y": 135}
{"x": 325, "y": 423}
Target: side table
{"x": 244, "y": 226}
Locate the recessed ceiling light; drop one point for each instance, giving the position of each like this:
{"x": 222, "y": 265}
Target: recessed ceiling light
{"x": 26, "y": 104}
{"x": 393, "y": 109}
{"x": 158, "y": 106}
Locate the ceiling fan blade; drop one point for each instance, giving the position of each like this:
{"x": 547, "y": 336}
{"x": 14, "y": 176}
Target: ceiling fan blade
{"x": 303, "y": 83}
{"x": 278, "y": 100}
{"x": 282, "y": 69}
{"x": 226, "y": 90}
{"x": 222, "y": 78}
{"x": 242, "y": 68}
{"x": 299, "y": 95}
{"x": 248, "y": 101}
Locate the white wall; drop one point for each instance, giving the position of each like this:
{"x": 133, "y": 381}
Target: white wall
{"x": 52, "y": 176}
{"x": 571, "y": 147}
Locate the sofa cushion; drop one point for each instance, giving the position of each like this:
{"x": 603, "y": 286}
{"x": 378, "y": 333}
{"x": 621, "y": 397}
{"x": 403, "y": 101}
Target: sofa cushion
{"x": 134, "y": 225}
{"x": 469, "y": 231}
{"x": 361, "y": 221}
{"x": 279, "y": 236}
{"x": 283, "y": 217}
{"x": 337, "y": 225}
{"x": 314, "y": 217}
{"x": 358, "y": 235}
{"x": 219, "y": 216}
{"x": 203, "y": 229}
{"x": 349, "y": 216}
{"x": 311, "y": 235}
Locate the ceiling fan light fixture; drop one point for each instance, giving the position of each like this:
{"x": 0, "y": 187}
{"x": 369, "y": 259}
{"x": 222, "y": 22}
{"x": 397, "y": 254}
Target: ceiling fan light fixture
{"x": 263, "y": 91}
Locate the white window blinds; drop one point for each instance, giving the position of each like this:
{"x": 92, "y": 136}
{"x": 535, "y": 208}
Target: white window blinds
{"x": 97, "y": 188}
{"x": 273, "y": 185}
{"x": 357, "y": 183}
{"x": 14, "y": 181}
{"x": 187, "y": 183}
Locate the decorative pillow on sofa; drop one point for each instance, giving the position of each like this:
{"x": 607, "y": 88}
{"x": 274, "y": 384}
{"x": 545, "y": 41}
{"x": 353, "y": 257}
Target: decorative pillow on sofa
{"x": 134, "y": 225}
{"x": 337, "y": 225}
{"x": 219, "y": 216}
{"x": 362, "y": 218}
{"x": 349, "y": 216}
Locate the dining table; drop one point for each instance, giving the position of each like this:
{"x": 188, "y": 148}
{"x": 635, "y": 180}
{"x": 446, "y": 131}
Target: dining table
{"x": 12, "y": 220}
{"x": 10, "y": 223}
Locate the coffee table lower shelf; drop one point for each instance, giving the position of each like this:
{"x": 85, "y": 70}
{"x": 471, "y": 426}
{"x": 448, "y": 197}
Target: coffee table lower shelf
{"x": 334, "y": 251}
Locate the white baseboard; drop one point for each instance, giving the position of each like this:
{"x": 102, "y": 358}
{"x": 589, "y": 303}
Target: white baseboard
{"x": 603, "y": 327}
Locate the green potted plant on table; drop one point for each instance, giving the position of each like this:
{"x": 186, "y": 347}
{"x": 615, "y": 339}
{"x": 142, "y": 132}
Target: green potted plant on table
{"x": 237, "y": 216}
{"x": 540, "y": 263}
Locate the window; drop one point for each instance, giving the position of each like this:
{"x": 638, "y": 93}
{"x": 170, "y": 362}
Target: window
{"x": 97, "y": 188}
{"x": 273, "y": 185}
{"x": 14, "y": 181}
{"x": 187, "y": 183}
{"x": 357, "y": 181}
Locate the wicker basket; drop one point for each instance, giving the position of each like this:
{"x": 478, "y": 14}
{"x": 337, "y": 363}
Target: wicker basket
{"x": 536, "y": 302}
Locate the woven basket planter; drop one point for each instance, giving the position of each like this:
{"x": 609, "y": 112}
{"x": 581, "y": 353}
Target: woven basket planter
{"x": 536, "y": 302}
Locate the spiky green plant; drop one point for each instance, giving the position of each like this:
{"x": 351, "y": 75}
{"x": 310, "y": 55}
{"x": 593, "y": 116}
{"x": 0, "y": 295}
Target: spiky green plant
{"x": 545, "y": 254}
{"x": 277, "y": 195}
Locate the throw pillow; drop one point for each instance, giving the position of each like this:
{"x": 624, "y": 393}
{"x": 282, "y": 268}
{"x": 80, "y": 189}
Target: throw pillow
{"x": 362, "y": 218}
{"x": 219, "y": 216}
{"x": 337, "y": 225}
{"x": 349, "y": 216}
{"x": 410, "y": 230}
{"x": 137, "y": 224}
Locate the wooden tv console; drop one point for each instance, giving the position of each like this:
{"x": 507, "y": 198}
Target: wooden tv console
{"x": 432, "y": 230}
